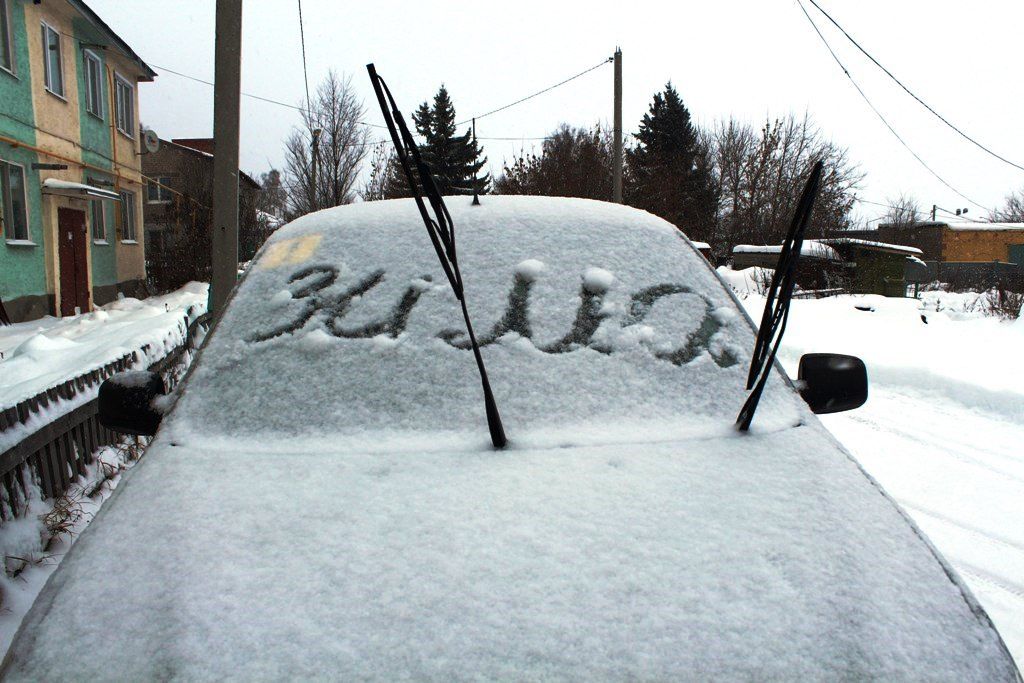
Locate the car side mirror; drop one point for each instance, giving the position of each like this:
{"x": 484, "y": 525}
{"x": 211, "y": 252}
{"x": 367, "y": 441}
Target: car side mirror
{"x": 832, "y": 382}
{"x": 126, "y": 402}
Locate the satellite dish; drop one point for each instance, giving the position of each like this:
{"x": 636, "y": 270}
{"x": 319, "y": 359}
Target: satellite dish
{"x": 151, "y": 140}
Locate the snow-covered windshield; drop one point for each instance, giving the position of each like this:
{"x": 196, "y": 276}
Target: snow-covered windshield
{"x": 591, "y": 317}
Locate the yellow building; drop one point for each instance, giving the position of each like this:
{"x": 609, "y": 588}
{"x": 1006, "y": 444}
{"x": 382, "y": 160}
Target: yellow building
{"x": 70, "y": 179}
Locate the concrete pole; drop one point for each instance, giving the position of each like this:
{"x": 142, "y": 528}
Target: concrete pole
{"x": 226, "y": 96}
{"x": 617, "y": 141}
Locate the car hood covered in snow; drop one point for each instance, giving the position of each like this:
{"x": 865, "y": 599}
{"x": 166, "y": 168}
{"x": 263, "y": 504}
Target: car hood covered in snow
{"x": 627, "y": 533}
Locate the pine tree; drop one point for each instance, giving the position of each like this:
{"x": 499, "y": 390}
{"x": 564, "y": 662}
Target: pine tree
{"x": 671, "y": 169}
{"x": 454, "y": 160}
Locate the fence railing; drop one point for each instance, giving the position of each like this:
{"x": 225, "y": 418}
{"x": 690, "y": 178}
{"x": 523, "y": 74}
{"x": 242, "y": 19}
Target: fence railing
{"x": 58, "y": 452}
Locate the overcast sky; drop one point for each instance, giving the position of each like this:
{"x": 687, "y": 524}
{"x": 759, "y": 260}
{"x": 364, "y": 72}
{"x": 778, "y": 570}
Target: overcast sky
{"x": 747, "y": 58}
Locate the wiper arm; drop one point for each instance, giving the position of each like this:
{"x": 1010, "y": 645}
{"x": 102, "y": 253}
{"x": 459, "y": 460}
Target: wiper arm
{"x": 776, "y": 307}
{"x": 439, "y": 227}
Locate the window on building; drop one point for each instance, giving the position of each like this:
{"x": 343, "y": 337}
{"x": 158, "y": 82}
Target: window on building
{"x": 12, "y": 201}
{"x": 127, "y": 216}
{"x": 124, "y": 103}
{"x": 6, "y": 38}
{"x": 93, "y": 84}
{"x": 99, "y": 226}
{"x": 159, "y": 194}
{"x": 53, "y": 72}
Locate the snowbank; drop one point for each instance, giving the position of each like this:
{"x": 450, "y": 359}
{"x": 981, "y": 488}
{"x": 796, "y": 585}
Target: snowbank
{"x": 40, "y": 354}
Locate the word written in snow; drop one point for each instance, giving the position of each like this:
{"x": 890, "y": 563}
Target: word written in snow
{"x": 311, "y": 282}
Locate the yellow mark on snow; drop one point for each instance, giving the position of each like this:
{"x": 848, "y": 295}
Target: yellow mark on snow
{"x": 291, "y": 251}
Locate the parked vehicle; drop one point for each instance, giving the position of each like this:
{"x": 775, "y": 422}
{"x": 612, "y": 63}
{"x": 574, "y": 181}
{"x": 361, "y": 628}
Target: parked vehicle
{"x": 323, "y": 499}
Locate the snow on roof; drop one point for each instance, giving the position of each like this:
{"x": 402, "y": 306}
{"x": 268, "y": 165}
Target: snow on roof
{"x": 72, "y": 189}
{"x": 975, "y": 225}
{"x": 811, "y": 248}
{"x": 700, "y": 245}
{"x": 326, "y": 502}
{"x": 899, "y": 248}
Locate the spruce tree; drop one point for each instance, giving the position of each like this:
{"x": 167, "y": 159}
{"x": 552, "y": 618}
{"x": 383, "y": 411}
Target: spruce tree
{"x": 671, "y": 171}
{"x": 455, "y": 160}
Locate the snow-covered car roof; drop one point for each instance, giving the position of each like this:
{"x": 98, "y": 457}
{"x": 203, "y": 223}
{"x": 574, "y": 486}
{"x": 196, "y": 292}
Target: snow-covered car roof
{"x": 323, "y": 500}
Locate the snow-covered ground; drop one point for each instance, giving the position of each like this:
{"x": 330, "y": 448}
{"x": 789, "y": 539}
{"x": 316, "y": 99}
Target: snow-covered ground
{"x": 943, "y": 428}
{"x": 40, "y": 354}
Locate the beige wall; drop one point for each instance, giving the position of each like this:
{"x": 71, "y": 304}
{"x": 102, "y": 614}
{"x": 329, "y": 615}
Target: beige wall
{"x": 979, "y": 245}
{"x": 59, "y": 131}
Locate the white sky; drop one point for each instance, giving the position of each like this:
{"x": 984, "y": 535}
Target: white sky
{"x": 749, "y": 58}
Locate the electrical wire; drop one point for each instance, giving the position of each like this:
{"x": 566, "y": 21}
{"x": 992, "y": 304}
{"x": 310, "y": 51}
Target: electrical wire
{"x": 880, "y": 115}
{"x": 924, "y": 104}
{"x": 539, "y": 92}
{"x": 305, "y": 73}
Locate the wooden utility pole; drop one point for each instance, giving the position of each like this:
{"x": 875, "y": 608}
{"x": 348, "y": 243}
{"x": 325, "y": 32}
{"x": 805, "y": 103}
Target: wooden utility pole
{"x": 617, "y": 141}
{"x": 226, "y": 96}
{"x": 314, "y": 204}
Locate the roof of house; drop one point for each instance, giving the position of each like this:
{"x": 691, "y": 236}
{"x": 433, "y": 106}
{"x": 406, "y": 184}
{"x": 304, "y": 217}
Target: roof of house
{"x": 976, "y": 225}
{"x": 123, "y": 47}
{"x": 874, "y": 246}
{"x": 186, "y": 145}
{"x": 810, "y": 249}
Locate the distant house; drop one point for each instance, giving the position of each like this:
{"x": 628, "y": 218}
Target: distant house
{"x": 855, "y": 265}
{"x": 959, "y": 241}
{"x": 70, "y": 182}
{"x": 178, "y": 215}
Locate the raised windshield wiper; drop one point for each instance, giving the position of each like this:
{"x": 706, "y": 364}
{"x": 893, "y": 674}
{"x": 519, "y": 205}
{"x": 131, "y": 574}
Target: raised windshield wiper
{"x": 776, "y": 307}
{"x": 440, "y": 228}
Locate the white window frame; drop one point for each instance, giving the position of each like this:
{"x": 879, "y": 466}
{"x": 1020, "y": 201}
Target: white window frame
{"x": 128, "y": 227}
{"x": 5, "y": 204}
{"x": 163, "y": 195}
{"x": 93, "y": 100}
{"x": 101, "y": 237}
{"x": 47, "y": 72}
{"x": 126, "y": 127}
{"x": 7, "y": 38}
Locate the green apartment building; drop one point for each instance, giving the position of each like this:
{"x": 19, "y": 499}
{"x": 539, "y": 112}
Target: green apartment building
{"x": 71, "y": 187}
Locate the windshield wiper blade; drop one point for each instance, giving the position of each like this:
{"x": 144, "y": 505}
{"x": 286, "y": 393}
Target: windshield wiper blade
{"x": 776, "y": 306}
{"x": 439, "y": 227}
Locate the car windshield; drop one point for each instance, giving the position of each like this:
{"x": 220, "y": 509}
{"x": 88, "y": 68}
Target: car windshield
{"x": 593, "y": 318}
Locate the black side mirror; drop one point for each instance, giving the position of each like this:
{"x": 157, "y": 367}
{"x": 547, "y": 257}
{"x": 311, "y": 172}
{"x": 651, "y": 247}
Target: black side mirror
{"x": 126, "y": 402}
{"x": 832, "y": 382}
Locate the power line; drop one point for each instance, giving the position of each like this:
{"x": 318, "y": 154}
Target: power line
{"x": 924, "y": 104}
{"x": 305, "y": 74}
{"x": 879, "y": 114}
{"x": 539, "y": 92}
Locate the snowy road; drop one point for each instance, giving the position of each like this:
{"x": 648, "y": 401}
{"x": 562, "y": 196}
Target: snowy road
{"x": 959, "y": 472}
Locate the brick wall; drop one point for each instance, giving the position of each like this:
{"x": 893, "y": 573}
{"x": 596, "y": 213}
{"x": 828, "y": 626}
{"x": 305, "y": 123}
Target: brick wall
{"x": 979, "y": 245}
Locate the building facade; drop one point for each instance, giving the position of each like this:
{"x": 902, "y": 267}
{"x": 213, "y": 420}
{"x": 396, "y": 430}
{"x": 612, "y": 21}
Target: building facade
{"x": 71, "y": 187}
{"x": 955, "y": 241}
{"x": 178, "y": 217}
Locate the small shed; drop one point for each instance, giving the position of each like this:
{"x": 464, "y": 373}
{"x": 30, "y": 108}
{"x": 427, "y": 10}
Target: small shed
{"x": 877, "y": 267}
{"x": 820, "y": 266}
{"x": 703, "y": 247}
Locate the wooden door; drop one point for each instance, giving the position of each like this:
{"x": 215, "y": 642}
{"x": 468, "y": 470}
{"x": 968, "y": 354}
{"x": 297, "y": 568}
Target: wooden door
{"x": 73, "y": 262}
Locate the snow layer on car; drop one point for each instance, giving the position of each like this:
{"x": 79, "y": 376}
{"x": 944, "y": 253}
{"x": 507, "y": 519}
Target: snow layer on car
{"x": 767, "y": 557}
{"x": 593, "y": 316}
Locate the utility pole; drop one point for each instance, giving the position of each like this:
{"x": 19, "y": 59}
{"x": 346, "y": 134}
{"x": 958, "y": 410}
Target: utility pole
{"x": 312, "y": 171}
{"x": 226, "y": 97}
{"x": 934, "y": 207}
{"x": 476, "y": 194}
{"x": 617, "y": 141}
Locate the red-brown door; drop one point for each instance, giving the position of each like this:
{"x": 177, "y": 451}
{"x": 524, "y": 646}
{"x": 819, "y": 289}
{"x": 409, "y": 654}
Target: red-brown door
{"x": 74, "y": 275}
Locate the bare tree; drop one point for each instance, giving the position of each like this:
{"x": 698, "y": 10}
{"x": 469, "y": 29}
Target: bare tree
{"x": 1012, "y": 210}
{"x": 762, "y": 172}
{"x": 382, "y": 168}
{"x": 574, "y": 162}
{"x": 903, "y": 211}
{"x": 342, "y": 145}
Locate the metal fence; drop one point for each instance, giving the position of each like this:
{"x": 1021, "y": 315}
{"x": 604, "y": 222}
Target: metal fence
{"x": 975, "y": 275}
{"x": 54, "y": 455}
